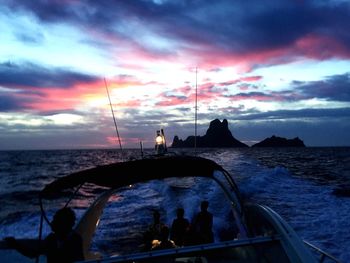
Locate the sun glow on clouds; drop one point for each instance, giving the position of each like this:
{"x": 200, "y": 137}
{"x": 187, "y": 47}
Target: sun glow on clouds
{"x": 150, "y": 62}
{"x": 31, "y": 120}
{"x": 65, "y": 119}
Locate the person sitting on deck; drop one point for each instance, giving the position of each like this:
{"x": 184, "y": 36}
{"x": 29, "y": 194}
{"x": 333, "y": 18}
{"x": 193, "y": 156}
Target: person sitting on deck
{"x": 203, "y": 224}
{"x": 153, "y": 232}
{"x": 62, "y": 245}
{"x": 179, "y": 228}
{"x": 164, "y": 242}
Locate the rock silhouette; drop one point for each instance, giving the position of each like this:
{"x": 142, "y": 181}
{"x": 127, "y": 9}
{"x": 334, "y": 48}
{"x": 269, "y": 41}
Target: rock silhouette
{"x": 275, "y": 141}
{"x": 217, "y": 135}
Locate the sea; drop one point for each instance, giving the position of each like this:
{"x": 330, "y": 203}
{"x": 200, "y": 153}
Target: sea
{"x": 300, "y": 184}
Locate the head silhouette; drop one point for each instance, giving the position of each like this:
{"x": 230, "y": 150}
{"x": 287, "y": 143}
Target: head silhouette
{"x": 63, "y": 221}
{"x": 180, "y": 212}
{"x": 204, "y": 205}
{"x": 156, "y": 216}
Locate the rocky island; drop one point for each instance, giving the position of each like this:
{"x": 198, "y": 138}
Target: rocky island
{"x": 275, "y": 141}
{"x": 218, "y": 135}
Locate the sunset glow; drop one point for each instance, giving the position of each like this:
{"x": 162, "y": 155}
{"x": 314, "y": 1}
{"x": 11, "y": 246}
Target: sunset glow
{"x": 282, "y": 68}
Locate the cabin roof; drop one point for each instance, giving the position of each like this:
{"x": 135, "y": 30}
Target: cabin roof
{"x": 126, "y": 173}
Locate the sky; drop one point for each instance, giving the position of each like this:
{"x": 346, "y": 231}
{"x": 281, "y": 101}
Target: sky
{"x": 274, "y": 67}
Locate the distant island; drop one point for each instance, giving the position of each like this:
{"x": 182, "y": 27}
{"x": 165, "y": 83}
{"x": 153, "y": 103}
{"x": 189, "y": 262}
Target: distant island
{"x": 218, "y": 135}
{"x": 275, "y": 141}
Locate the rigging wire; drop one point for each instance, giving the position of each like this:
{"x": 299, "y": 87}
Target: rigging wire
{"x": 73, "y": 195}
{"x": 115, "y": 122}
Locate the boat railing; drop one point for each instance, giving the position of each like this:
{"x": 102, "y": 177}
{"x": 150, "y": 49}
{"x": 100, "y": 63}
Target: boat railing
{"x": 187, "y": 251}
{"x": 322, "y": 254}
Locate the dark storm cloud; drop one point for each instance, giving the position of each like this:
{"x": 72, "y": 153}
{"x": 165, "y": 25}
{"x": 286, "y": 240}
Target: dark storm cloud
{"x": 282, "y": 24}
{"x": 333, "y": 88}
{"x": 65, "y": 111}
{"x": 337, "y": 113}
{"x": 235, "y": 26}
{"x": 30, "y": 75}
{"x": 15, "y": 101}
{"x": 268, "y": 96}
{"x": 9, "y": 103}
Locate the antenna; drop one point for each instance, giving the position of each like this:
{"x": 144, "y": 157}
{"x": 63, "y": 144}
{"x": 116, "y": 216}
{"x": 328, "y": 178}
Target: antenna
{"x": 195, "y": 117}
{"x": 115, "y": 122}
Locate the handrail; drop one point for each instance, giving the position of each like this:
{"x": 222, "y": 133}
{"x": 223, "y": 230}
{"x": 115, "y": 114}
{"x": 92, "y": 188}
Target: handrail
{"x": 322, "y": 253}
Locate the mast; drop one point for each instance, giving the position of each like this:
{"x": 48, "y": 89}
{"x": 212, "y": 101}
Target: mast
{"x": 115, "y": 122}
{"x": 195, "y": 116}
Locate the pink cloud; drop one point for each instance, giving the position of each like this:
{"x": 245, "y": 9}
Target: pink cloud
{"x": 46, "y": 99}
{"x": 134, "y": 55}
{"x": 66, "y": 98}
{"x": 320, "y": 47}
{"x": 251, "y": 78}
{"x": 244, "y": 87}
{"x": 172, "y": 101}
{"x": 206, "y": 93}
{"x": 113, "y": 140}
{"x": 310, "y": 46}
{"x": 129, "y": 104}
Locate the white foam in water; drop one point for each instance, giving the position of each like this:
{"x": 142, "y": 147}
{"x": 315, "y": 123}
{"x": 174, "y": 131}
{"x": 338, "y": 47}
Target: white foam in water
{"x": 127, "y": 217}
{"x": 317, "y": 216}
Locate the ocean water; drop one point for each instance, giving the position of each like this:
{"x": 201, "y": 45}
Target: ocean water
{"x": 298, "y": 183}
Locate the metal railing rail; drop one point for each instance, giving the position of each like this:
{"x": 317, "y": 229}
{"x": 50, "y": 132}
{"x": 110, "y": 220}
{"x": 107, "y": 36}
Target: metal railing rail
{"x": 323, "y": 254}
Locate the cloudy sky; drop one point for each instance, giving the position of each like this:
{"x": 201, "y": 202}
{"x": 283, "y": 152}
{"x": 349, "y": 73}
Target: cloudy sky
{"x": 269, "y": 67}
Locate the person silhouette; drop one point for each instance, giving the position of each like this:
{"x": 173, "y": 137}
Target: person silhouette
{"x": 179, "y": 228}
{"x": 63, "y": 244}
{"x": 164, "y": 242}
{"x": 156, "y": 226}
{"x": 203, "y": 224}
{"x": 153, "y": 232}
